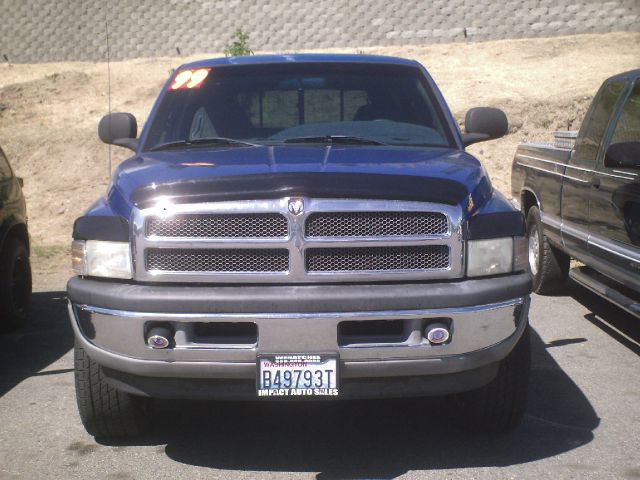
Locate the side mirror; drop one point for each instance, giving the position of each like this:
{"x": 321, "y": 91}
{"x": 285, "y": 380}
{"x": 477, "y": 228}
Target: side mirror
{"x": 119, "y": 129}
{"x": 623, "y": 155}
{"x": 484, "y": 123}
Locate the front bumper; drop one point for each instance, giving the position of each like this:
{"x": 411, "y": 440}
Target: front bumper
{"x": 486, "y": 317}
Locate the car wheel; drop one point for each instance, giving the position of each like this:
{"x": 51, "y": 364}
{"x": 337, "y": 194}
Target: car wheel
{"x": 499, "y": 406}
{"x": 105, "y": 411}
{"x": 15, "y": 285}
{"x": 549, "y": 267}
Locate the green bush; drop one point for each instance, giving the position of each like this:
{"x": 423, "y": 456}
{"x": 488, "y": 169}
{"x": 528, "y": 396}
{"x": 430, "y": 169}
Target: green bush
{"x": 239, "y": 45}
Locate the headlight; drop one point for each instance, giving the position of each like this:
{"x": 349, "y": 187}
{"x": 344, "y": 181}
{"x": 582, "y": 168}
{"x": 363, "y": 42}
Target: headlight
{"x": 101, "y": 259}
{"x": 496, "y": 256}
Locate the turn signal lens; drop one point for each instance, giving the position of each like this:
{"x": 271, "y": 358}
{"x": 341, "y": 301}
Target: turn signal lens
{"x": 520, "y": 254}
{"x": 78, "y": 257}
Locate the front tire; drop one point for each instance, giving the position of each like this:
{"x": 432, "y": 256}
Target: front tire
{"x": 499, "y": 406}
{"x": 549, "y": 267}
{"x": 15, "y": 285}
{"x": 106, "y": 412}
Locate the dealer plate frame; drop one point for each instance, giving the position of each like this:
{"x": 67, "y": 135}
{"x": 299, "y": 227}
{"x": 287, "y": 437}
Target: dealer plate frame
{"x": 297, "y": 393}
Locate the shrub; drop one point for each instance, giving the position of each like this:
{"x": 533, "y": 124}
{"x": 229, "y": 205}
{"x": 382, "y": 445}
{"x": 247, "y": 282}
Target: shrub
{"x": 239, "y": 45}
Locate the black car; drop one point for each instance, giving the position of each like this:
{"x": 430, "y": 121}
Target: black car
{"x": 15, "y": 269}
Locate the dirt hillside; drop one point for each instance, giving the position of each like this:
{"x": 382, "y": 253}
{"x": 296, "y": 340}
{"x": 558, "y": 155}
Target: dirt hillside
{"x": 49, "y": 112}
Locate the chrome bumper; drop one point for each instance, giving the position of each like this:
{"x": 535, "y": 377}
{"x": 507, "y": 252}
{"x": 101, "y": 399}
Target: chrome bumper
{"x": 481, "y": 335}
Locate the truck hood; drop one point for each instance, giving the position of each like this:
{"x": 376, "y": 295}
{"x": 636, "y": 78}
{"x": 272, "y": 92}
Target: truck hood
{"x": 440, "y": 175}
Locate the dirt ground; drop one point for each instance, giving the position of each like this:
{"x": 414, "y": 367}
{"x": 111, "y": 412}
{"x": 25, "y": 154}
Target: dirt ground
{"x": 49, "y": 112}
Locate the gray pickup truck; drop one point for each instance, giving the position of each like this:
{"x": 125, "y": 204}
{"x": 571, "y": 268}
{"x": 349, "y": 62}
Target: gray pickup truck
{"x": 582, "y": 201}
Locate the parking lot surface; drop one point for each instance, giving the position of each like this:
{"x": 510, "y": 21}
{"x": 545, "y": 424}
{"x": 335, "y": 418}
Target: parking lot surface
{"x": 583, "y": 418}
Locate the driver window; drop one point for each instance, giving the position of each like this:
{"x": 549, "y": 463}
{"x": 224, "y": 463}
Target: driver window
{"x": 628, "y": 126}
{"x": 595, "y": 125}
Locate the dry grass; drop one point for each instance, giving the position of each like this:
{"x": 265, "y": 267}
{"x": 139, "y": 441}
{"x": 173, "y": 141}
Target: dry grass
{"x": 49, "y": 112}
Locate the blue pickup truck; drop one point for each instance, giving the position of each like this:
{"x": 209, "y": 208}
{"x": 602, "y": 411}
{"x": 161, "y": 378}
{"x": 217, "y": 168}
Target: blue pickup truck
{"x": 300, "y": 227}
{"x": 582, "y": 200}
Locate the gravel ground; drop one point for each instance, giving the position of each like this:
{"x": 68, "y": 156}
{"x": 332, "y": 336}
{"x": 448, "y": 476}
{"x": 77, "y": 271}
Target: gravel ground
{"x": 583, "y": 419}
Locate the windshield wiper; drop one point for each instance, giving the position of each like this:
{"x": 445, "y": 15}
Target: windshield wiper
{"x": 334, "y": 139}
{"x": 222, "y": 141}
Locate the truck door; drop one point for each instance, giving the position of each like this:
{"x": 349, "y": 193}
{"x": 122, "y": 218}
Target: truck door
{"x": 614, "y": 213}
{"x": 580, "y": 171}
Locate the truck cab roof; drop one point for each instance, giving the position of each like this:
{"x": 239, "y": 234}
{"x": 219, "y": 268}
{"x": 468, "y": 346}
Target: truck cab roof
{"x": 631, "y": 74}
{"x": 299, "y": 58}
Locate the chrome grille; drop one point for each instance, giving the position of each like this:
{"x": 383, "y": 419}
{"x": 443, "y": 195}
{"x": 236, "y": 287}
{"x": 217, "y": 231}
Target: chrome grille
{"x": 243, "y": 225}
{"x": 377, "y": 259}
{"x": 373, "y": 224}
{"x": 330, "y": 240}
{"x": 218, "y": 260}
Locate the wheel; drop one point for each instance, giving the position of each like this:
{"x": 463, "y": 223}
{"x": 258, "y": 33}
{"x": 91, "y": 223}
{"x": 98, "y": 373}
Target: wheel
{"x": 498, "y": 406}
{"x": 106, "y": 412}
{"x": 548, "y": 266}
{"x": 15, "y": 285}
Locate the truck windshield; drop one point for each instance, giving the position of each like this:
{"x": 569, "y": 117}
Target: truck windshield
{"x": 298, "y": 103}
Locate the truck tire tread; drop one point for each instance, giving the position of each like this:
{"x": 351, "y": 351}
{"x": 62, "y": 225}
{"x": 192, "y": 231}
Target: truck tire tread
{"x": 105, "y": 411}
{"x": 553, "y": 270}
{"x": 14, "y": 312}
{"x": 500, "y": 405}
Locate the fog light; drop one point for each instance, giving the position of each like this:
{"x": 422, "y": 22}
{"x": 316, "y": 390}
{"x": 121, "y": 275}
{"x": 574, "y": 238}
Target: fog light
{"x": 159, "y": 337}
{"x": 437, "y": 333}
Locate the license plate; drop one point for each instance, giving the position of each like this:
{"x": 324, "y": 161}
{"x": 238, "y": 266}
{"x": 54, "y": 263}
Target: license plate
{"x": 297, "y": 375}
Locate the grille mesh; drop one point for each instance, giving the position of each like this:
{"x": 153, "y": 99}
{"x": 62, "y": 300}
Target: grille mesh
{"x": 376, "y": 259}
{"x": 263, "y": 225}
{"x": 371, "y": 224}
{"x": 218, "y": 260}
